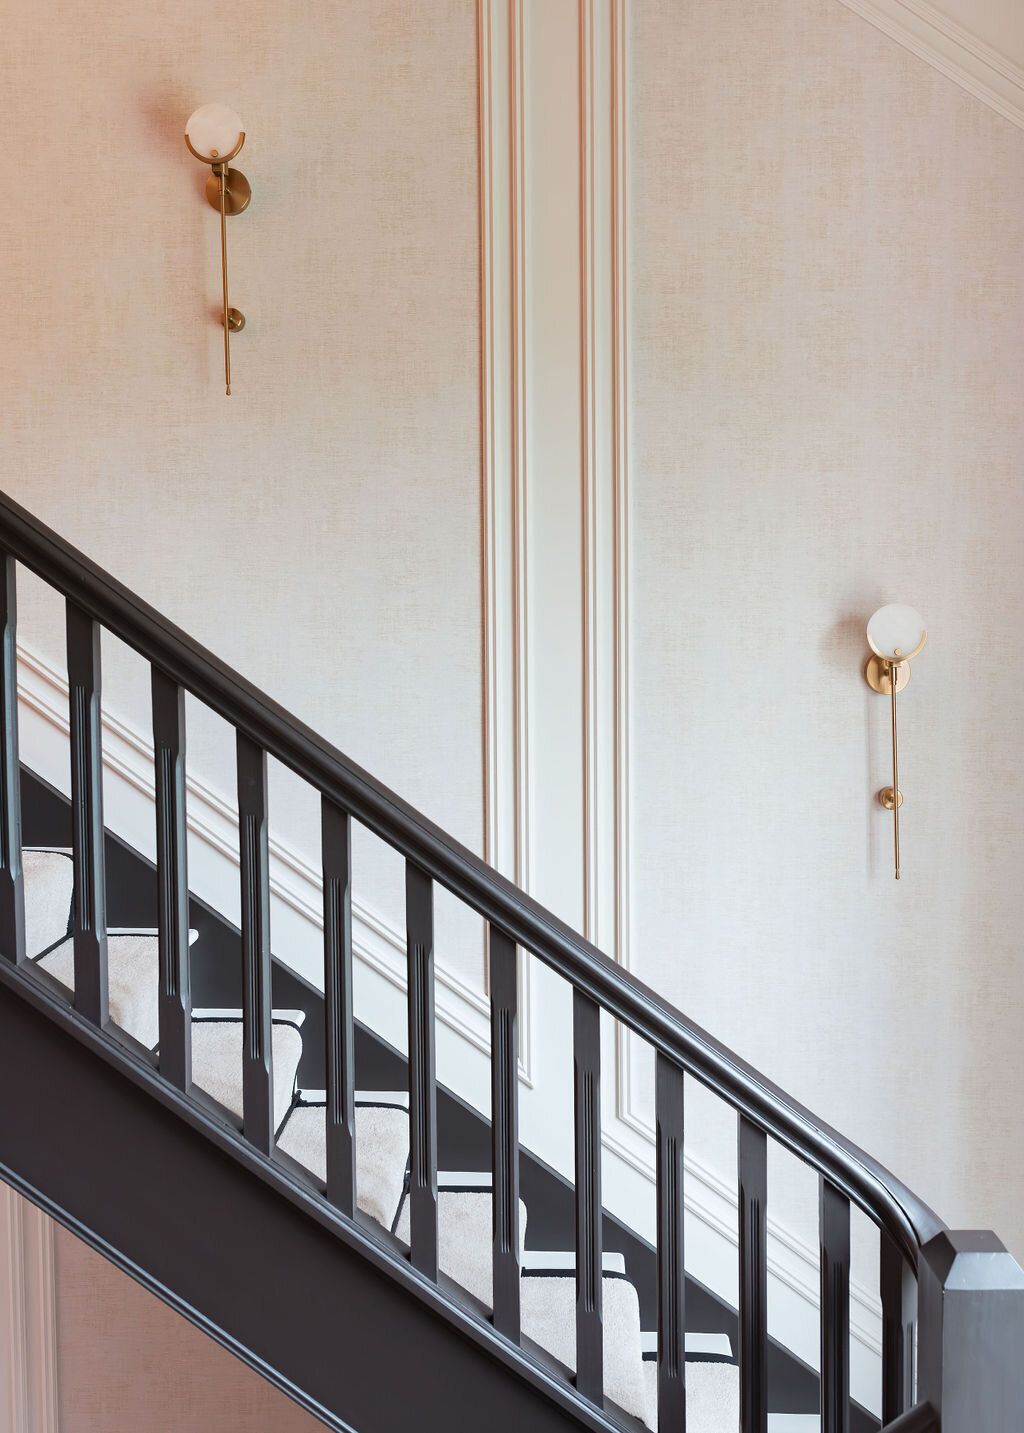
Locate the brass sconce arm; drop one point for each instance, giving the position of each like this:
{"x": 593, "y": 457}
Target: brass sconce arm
{"x": 210, "y": 136}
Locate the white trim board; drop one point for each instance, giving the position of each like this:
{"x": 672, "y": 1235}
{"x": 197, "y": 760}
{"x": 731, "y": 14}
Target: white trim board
{"x": 28, "y": 1328}
{"x": 951, "y": 49}
{"x": 463, "y": 1031}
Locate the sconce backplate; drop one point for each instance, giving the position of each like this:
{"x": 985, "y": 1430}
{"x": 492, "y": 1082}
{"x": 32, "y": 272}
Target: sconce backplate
{"x": 877, "y": 674}
{"x": 236, "y": 200}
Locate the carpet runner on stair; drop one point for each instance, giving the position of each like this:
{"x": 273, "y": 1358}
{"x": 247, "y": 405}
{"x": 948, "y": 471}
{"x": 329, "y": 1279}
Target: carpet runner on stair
{"x": 548, "y": 1289}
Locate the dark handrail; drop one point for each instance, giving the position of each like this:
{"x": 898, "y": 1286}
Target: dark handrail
{"x": 922, "y": 1418}
{"x": 894, "y": 1207}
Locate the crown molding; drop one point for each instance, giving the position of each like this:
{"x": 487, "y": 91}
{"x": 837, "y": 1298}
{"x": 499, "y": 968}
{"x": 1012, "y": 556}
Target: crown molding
{"x": 951, "y": 49}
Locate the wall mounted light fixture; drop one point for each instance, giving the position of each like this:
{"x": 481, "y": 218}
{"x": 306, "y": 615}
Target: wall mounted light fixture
{"x": 895, "y": 634}
{"x": 214, "y": 134}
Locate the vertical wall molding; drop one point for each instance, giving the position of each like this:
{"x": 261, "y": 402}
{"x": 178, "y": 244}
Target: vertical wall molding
{"x": 605, "y": 499}
{"x": 500, "y": 25}
{"x": 27, "y": 1292}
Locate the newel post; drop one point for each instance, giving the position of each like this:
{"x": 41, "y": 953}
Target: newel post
{"x": 971, "y": 1333}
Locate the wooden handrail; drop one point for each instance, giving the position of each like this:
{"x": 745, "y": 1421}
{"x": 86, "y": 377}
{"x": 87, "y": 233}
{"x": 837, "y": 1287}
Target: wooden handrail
{"x": 269, "y": 727}
{"x": 922, "y": 1418}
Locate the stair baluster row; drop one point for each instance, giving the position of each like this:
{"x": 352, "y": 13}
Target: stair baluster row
{"x": 175, "y": 666}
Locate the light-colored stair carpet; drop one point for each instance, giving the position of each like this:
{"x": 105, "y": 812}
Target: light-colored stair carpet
{"x": 49, "y": 881}
{"x": 133, "y": 979}
{"x": 217, "y": 1060}
{"x": 464, "y": 1231}
{"x": 382, "y": 1147}
{"x": 382, "y": 1144}
{"x": 549, "y": 1318}
{"x": 712, "y": 1395}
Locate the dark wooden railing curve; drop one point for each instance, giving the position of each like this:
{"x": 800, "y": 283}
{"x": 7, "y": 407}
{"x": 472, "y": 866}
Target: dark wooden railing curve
{"x": 263, "y": 729}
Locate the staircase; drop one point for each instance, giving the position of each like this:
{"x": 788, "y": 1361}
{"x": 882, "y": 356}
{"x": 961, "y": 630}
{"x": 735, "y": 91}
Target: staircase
{"x": 312, "y": 1231}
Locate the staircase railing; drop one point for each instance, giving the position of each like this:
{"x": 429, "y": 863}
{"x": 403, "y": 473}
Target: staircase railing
{"x": 918, "y": 1362}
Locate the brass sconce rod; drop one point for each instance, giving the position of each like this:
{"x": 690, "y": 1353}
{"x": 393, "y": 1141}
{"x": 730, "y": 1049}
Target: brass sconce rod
{"x": 893, "y": 684}
{"x": 221, "y": 170}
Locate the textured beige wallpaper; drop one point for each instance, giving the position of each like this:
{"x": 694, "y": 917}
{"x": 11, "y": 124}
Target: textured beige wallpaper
{"x": 141, "y": 1368}
{"x": 827, "y": 292}
{"x": 320, "y": 528}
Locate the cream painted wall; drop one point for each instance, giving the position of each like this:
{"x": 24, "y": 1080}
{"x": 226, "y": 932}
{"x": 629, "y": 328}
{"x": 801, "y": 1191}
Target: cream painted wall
{"x": 827, "y": 347}
{"x": 821, "y": 292}
{"x": 320, "y": 528}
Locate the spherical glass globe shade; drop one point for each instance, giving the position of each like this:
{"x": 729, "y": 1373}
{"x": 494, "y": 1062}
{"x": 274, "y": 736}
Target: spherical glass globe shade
{"x": 896, "y": 632}
{"x": 214, "y": 130}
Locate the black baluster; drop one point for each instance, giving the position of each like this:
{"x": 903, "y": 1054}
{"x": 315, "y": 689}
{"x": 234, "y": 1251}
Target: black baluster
{"x": 753, "y": 1179}
{"x": 505, "y": 1132}
{"x": 90, "y": 904}
{"x": 671, "y": 1264}
{"x": 257, "y": 1059}
{"x": 175, "y": 1010}
{"x": 890, "y": 1287}
{"x": 336, "y": 844}
{"x": 12, "y": 884}
{"x": 419, "y": 915}
{"x": 835, "y": 1309}
{"x": 589, "y": 1324}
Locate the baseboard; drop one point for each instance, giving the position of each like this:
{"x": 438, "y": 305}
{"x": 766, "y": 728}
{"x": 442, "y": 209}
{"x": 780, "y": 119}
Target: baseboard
{"x": 380, "y": 972}
{"x": 28, "y": 1329}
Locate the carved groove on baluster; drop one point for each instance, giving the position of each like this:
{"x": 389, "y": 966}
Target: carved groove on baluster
{"x": 12, "y": 881}
{"x": 835, "y": 1309}
{"x": 671, "y": 1268}
{"x": 336, "y": 845}
{"x": 175, "y": 1009}
{"x": 505, "y": 1133}
{"x": 753, "y": 1324}
{"x": 419, "y": 907}
{"x": 257, "y": 1063}
{"x": 90, "y": 905}
{"x": 589, "y": 1326}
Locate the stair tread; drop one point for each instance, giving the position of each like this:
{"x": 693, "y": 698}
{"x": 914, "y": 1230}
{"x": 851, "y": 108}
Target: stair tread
{"x": 712, "y": 1397}
{"x": 382, "y": 1153}
{"x": 217, "y": 1063}
{"x": 464, "y": 1237}
{"x": 549, "y": 1319}
{"x": 49, "y": 880}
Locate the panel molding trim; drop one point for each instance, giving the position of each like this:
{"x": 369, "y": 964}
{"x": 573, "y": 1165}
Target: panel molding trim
{"x": 28, "y": 1349}
{"x": 951, "y": 49}
{"x": 502, "y": 120}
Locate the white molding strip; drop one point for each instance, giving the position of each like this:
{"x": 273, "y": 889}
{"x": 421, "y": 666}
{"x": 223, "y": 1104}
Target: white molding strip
{"x": 30, "y": 1346}
{"x": 503, "y": 456}
{"x": 952, "y": 50}
{"x": 213, "y": 820}
{"x": 605, "y": 510}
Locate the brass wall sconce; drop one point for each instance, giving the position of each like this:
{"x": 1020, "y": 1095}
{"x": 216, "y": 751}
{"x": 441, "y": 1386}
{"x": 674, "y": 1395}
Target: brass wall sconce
{"x": 895, "y": 634}
{"x": 214, "y": 134}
